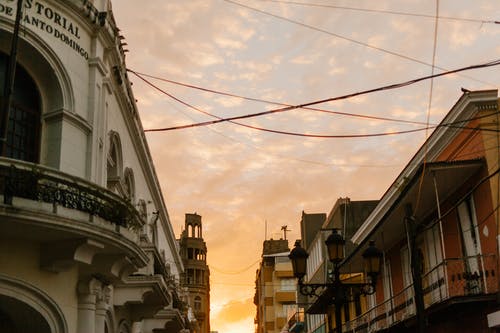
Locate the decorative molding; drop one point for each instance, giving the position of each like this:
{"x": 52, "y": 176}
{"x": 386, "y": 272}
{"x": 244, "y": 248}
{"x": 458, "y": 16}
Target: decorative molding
{"x": 99, "y": 64}
{"x": 72, "y": 118}
{"x": 149, "y": 291}
{"x": 90, "y": 286}
{"x": 60, "y": 256}
{"x": 37, "y": 299}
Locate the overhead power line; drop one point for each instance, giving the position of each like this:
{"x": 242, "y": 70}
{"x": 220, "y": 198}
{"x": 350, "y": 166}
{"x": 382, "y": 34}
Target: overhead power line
{"x": 352, "y": 40}
{"x": 356, "y": 115}
{"x": 236, "y": 272}
{"x": 429, "y": 104}
{"x": 381, "y": 11}
{"x": 288, "y": 108}
{"x": 231, "y": 120}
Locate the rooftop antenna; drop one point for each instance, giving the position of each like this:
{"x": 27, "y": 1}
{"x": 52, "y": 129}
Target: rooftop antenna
{"x": 285, "y": 229}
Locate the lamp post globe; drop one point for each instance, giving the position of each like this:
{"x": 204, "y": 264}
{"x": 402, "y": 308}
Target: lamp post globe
{"x": 372, "y": 260}
{"x": 298, "y": 256}
{"x": 335, "y": 247}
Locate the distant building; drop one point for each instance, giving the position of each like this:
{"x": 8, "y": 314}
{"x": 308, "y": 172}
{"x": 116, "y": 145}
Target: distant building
{"x": 310, "y": 224}
{"x": 196, "y": 277}
{"x": 275, "y": 288}
{"x": 346, "y": 215}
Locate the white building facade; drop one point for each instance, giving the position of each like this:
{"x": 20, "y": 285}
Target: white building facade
{"x": 86, "y": 244}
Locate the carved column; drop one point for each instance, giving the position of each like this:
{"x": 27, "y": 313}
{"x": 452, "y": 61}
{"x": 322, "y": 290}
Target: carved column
{"x": 137, "y": 327}
{"x": 102, "y": 306}
{"x": 87, "y": 297}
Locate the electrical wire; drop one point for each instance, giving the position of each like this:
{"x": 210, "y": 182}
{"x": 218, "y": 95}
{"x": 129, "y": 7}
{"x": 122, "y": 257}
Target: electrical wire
{"x": 352, "y": 40}
{"x": 356, "y": 115}
{"x": 288, "y": 108}
{"x": 325, "y": 164}
{"x": 429, "y": 106}
{"x": 237, "y": 272}
{"x": 381, "y": 11}
{"x": 233, "y": 284}
{"x": 220, "y": 119}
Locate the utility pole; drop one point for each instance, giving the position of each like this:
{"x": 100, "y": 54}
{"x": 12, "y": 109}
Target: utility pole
{"x": 10, "y": 73}
{"x": 416, "y": 264}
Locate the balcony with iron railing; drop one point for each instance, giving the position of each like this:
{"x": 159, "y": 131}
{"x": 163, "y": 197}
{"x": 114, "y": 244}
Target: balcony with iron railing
{"x": 70, "y": 217}
{"x": 450, "y": 279}
{"x": 296, "y": 321}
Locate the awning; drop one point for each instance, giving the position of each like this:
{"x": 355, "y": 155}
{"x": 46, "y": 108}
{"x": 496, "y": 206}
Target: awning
{"x": 444, "y": 177}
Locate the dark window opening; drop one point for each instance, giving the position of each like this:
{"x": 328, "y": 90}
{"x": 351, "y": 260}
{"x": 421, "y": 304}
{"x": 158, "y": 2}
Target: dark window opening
{"x": 357, "y": 305}
{"x": 190, "y": 253}
{"x": 347, "y": 314}
{"x": 23, "y": 127}
{"x": 197, "y": 303}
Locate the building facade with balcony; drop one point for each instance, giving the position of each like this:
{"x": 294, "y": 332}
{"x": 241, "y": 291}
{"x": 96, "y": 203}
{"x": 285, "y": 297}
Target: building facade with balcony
{"x": 275, "y": 288}
{"x": 86, "y": 244}
{"x": 438, "y": 228}
{"x": 196, "y": 277}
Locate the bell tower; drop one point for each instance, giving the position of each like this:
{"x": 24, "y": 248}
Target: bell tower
{"x": 195, "y": 280}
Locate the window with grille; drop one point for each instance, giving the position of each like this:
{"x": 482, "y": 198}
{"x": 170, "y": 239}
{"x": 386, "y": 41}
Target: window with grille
{"x": 23, "y": 127}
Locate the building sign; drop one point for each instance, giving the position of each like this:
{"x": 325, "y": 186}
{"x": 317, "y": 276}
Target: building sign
{"x": 43, "y": 17}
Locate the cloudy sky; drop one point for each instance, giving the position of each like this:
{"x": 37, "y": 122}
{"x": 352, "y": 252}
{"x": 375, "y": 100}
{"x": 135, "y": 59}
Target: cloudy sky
{"x": 291, "y": 52}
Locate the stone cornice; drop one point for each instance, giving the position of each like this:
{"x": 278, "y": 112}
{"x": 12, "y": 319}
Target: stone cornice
{"x": 70, "y": 117}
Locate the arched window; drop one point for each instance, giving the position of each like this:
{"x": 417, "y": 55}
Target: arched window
{"x": 197, "y": 303}
{"x": 190, "y": 253}
{"x": 123, "y": 327}
{"x": 23, "y": 127}
{"x": 114, "y": 161}
{"x": 28, "y": 309}
{"x": 129, "y": 185}
{"x": 196, "y": 231}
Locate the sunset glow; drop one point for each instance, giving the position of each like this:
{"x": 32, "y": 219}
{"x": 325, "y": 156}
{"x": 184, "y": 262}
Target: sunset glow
{"x": 245, "y": 183}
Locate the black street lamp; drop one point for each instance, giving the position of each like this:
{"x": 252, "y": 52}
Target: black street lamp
{"x": 335, "y": 248}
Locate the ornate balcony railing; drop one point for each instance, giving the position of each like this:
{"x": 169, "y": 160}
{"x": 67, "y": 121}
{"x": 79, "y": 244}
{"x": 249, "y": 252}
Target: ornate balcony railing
{"x": 38, "y": 183}
{"x": 452, "y": 278}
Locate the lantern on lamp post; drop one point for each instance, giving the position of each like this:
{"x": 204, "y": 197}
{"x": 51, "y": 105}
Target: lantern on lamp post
{"x": 335, "y": 243}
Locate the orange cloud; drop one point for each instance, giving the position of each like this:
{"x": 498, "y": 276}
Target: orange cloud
{"x": 235, "y": 311}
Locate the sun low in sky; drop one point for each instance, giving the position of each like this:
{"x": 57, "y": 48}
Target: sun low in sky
{"x": 204, "y": 60}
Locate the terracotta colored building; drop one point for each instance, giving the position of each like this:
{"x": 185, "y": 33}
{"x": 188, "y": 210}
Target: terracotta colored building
{"x": 438, "y": 225}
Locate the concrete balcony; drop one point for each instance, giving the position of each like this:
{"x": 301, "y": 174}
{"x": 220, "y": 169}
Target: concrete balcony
{"x": 72, "y": 220}
{"x": 285, "y": 296}
{"x": 144, "y": 295}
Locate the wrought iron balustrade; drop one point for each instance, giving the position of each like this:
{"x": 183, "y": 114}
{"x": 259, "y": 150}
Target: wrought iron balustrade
{"x": 452, "y": 278}
{"x": 45, "y": 185}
